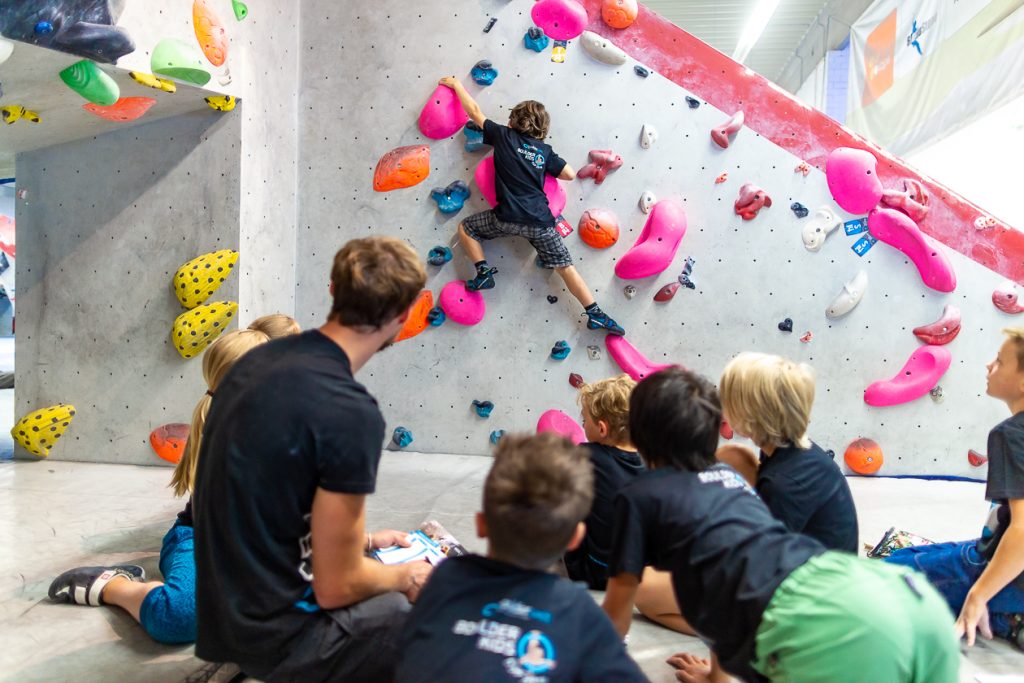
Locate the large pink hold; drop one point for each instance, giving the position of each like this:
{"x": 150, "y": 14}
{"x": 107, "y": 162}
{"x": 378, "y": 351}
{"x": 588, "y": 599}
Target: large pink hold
{"x": 461, "y": 305}
{"x": 632, "y": 362}
{"x": 919, "y": 375}
{"x": 442, "y": 115}
{"x": 896, "y": 229}
{"x": 484, "y": 177}
{"x": 558, "y": 422}
{"x": 560, "y": 19}
{"x": 656, "y": 247}
{"x": 853, "y": 180}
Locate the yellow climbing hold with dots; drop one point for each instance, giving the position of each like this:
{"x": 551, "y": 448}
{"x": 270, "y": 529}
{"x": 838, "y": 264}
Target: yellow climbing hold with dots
{"x": 196, "y": 329}
{"x": 38, "y": 431}
{"x": 197, "y": 280}
{"x": 221, "y": 102}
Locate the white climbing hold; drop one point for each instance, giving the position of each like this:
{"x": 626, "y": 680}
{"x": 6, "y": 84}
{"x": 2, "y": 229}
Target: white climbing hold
{"x": 6, "y": 48}
{"x": 822, "y": 224}
{"x": 602, "y": 49}
{"x": 647, "y": 201}
{"x": 848, "y": 297}
{"x": 648, "y": 135}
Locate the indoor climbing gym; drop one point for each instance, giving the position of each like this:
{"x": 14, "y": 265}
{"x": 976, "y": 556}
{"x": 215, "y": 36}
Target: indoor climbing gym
{"x": 525, "y": 341}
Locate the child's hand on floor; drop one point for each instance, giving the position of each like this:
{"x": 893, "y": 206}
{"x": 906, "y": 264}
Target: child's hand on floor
{"x": 973, "y": 618}
{"x": 450, "y": 81}
{"x": 693, "y": 669}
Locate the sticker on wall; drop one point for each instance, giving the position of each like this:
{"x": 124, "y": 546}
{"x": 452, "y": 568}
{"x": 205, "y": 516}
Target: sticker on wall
{"x": 864, "y": 244}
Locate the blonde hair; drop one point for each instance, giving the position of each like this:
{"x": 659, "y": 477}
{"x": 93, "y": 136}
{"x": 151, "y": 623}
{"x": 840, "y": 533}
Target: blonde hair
{"x": 217, "y": 360}
{"x": 768, "y": 398}
{"x": 608, "y": 400}
{"x": 1016, "y": 335}
{"x": 276, "y": 325}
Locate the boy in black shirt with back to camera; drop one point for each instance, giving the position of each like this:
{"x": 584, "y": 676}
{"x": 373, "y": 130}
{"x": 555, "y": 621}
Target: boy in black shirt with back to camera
{"x": 503, "y": 617}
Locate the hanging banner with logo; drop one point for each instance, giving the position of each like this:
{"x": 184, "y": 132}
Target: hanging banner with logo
{"x": 920, "y": 69}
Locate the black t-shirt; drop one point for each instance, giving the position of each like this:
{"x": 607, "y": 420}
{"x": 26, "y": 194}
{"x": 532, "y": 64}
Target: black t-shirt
{"x": 613, "y": 469}
{"x": 1005, "y": 482}
{"x": 185, "y": 516}
{"x": 520, "y": 164}
{"x": 726, "y": 552}
{"x": 479, "y": 619}
{"x": 806, "y": 491}
{"x": 287, "y": 419}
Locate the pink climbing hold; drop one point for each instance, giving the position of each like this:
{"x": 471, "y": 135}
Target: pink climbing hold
{"x": 724, "y": 132}
{"x": 654, "y": 250}
{"x": 725, "y": 430}
{"x": 1005, "y": 299}
{"x": 442, "y": 115}
{"x": 943, "y": 330}
{"x": 558, "y": 422}
{"x": 560, "y": 19}
{"x": 632, "y": 362}
{"x": 751, "y": 200}
{"x": 919, "y": 375}
{"x": 461, "y": 305}
{"x": 896, "y": 229}
{"x": 602, "y": 162}
{"x": 722, "y": 177}
{"x": 913, "y": 200}
{"x": 853, "y": 180}
{"x": 484, "y": 177}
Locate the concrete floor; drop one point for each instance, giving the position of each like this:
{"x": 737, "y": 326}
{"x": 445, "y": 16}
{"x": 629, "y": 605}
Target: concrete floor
{"x": 57, "y": 515}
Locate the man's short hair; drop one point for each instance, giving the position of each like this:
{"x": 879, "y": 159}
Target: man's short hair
{"x": 769, "y": 398}
{"x": 539, "y": 489}
{"x": 530, "y": 118}
{"x": 375, "y": 280}
{"x": 674, "y": 419}
{"x": 608, "y": 400}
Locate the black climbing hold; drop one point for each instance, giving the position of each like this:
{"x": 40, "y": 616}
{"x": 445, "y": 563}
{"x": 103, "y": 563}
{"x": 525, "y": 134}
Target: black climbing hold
{"x": 490, "y": 24}
{"x": 535, "y": 32}
{"x": 693, "y": 102}
{"x": 831, "y": 453}
{"x": 799, "y": 209}
{"x": 561, "y": 349}
{"x": 483, "y": 408}
{"x": 473, "y": 126}
{"x": 438, "y": 256}
{"x": 786, "y": 325}
{"x": 641, "y": 71}
{"x": 552, "y": 299}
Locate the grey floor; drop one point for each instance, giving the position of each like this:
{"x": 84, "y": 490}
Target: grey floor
{"x": 56, "y": 515}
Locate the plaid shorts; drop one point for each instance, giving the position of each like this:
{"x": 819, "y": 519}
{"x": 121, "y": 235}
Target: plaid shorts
{"x": 549, "y": 244}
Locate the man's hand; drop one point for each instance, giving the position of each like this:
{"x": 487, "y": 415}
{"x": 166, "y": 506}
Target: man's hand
{"x": 973, "y": 617}
{"x": 418, "y": 574}
{"x": 385, "y": 538}
{"x": 450, "y": 81}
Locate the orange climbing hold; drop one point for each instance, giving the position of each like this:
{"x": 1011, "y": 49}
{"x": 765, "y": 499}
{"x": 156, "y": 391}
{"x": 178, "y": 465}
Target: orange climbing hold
{"x": 402, "y": 167}
{"x": 168, "y": 441}
{"x": 599, "y": 228}
{"x": 619, "y": 13}
{"x": 125, "y": 109}
{"x": 417, "y": 320}
{"x": 210, "y": 32}
{"x": 864, "y": 456}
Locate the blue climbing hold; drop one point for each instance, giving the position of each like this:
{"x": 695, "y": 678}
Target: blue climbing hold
{"x": 496, "y": 436}
{"x": 535, "y": 40}
{"x": 44, "y": 28}
{"x": 693, "y": 102}
{"x": 474, "y": 137}
{"x": 452, "y": 198}
{"x": 402, "y": 437}
{"x": 483, "y": 408}
{"x": 435, "y": 316}
{"x": 799, "y": 209}
{"x": 483, "y": 73}
{"x": 438, "y": 256}
{"x": 561, "y": 349}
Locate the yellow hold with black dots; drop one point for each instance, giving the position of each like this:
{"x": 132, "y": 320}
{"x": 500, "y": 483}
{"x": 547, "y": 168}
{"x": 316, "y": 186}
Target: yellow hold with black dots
{"x": 151, "y": 81}
{"x": 194, "y": 330}
{"x": 38, "y": 431}
{"x": 197, "y": 280}
{"x": 16, "y": 112}
{"x": 221, "y": 102}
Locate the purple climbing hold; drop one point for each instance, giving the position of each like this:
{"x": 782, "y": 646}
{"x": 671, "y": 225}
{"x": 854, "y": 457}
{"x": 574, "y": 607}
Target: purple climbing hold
{"x": 799, "y": 209}
{"x": 576, "y": 380}
{"x": 483, "y": 408}
{"x": 641, "y": 71}
{"x": 786, "y": 325}
{"x": 561, "y": 349}
{"x": 552, "y": 299}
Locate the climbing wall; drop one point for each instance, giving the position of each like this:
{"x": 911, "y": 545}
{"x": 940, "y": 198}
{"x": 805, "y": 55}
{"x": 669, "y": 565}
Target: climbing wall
{"x": 368, "y": 74}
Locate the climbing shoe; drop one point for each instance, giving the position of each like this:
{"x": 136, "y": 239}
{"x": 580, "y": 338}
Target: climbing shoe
{"x": 599, "y": 320}
{"x": 84, "y": 585}
{"x": 484, "y": 280}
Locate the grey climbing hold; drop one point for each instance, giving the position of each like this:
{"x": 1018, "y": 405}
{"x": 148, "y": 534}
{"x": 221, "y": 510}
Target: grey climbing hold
{"x": 496, "y": 436}
{"x": 786, "y": 325}
{"x": 594, "y": 352}
{"x": 648, "y": 136}
{"x": 490, "y": 24}
{"x": 693, "y": 102}
{"x": 629, "y": 291}
{"x": 483, "y": 408}
{"x": 552, "y": 299}
{"x": 799, "y": 209}
{"x": 937, "y": 394}
{"x": 641, "y": 71}
{"x": 436, "y": 316}
{"x": 439, "y": 255}
{"x": 401, "y": 437}
{"x": 602, "y": 49}
{"x": 561, "y": 349}
{"x": 684, "y": 277}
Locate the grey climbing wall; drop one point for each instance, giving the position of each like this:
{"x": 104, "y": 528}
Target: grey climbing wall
{"x": 365, "y": 76}
{"x": 102, "y": 228}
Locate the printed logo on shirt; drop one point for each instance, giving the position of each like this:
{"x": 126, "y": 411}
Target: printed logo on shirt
{"x": 727, "y": 477}
{"x": 306, "y": 553}
{"x": 532, "y": 155}
{"x": 514, "y": 608}
{"x": 527, "y": 655}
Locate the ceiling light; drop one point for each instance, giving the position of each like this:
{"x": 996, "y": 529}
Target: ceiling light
{"x": 756, "y": 25}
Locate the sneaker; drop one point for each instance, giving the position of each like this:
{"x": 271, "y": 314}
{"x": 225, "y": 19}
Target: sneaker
{"x": 484, "y": 280}
{"x": 599, "y": 320}
{"x": 84, "y": 585}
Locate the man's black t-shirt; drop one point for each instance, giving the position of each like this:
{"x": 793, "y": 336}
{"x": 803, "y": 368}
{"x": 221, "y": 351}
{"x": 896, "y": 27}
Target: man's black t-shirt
{"x": 520, "y": 164}
{"x": 806, "y": 491}
{"x": 479, "y": 619}
{"x": 613, "y": 469}
{"x": 287, "y": 419}
{"x": 1005, "y": 482}
{"x": 725, "y": 551}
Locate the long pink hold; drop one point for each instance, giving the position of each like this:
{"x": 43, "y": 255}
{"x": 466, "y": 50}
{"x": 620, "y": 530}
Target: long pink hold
{"x": 632, "y": 362}
{"x": 560, "y": 19}
{"x": 919, "y": 375}
{"x": 654, "y": 250}
{"x": 461, "y": 305}
{"x": 896, "y": 229}
{"x": 724, "y": 132}
{"x": 853, "y": 179}
{"x": 442, "y": 116}
{"x": 558, "y": 422}
{"x": 484, "y": 177}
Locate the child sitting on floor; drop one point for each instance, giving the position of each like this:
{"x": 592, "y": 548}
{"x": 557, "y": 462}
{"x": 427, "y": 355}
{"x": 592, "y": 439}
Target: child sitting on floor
{"x": 768, "y": 399}
{"x": 769, "y": 602}
{"x": 503, "y": 617}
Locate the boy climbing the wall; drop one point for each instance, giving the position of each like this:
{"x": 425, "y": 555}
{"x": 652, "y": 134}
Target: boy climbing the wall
{"x": 983, "y": 579}
{"x": 521, "y": 161}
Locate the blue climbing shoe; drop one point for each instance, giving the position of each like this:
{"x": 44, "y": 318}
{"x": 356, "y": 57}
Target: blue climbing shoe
{"x": 484, "y": 280}
{"x": 599, "y": 320}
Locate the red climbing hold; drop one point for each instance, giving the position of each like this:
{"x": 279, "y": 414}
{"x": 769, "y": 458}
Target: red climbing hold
{"x": 619, "y": 13}
{"x": 864, "y": 456}
{"x": 751, "y": 200}
{"x": 725, "y": 430}
{"x": 417, "y": 320}
{"x": 576, "y": 380}
{"x": 724, "y": 132}
{"x": 975, "y": 458}
{"x": 402, "y": 167}
{"x": 602, "y": 162}
{"x": 125, "y": 109}
{"x": 667, "y": 292}
{"x": 599, "y": 228}
{"x": 168, "y": 441}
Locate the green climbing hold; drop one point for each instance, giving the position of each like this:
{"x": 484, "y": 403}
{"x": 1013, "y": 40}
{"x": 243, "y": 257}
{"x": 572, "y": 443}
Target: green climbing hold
{"x": 177, "y": 59}
{"x": 91, "y": 82}
{"x": 241, "y": 11}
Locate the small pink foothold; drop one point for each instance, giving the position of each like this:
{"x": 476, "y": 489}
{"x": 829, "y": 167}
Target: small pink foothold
{"x": 751, "y": 200}
{"x": 722, "y": 177}
{"x": 667, "y": 292}
{"x": 913, "y": 200}
{"x": 807, "y": 337}
{"x": 803, "y": 167}
{"x": 722, "y": 134}
{"x": 1005, "y": 299}
{"x": 602, "y": 162}
{"x": 442, "y": 116}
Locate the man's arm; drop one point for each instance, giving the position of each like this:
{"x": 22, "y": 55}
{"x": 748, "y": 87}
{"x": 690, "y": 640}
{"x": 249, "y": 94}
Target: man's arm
{"x": 342, "y": 574}
{"x": 465, "y": 99}
{"x": 619, "y": 599}
{"x": 1006, "y": 565}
